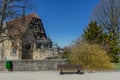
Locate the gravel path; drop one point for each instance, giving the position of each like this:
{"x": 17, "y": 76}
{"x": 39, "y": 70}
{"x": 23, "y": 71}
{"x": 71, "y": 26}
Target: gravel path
{"x": 54, "y": 75}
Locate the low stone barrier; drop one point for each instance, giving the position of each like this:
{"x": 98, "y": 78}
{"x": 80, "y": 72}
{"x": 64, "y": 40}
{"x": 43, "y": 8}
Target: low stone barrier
{"x": 33, "y": 65}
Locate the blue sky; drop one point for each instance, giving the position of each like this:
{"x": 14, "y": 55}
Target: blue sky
{"x": 64, "y": 20}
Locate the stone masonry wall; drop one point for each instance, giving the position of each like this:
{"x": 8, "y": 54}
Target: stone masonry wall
{"x": 2, "y": 66}
{"x": 33, "y": 65}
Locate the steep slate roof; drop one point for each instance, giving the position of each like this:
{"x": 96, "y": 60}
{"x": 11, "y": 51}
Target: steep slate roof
{"x": 16, "y": 27}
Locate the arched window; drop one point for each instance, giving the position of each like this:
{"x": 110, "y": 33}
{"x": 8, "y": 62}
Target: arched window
{"x": 13, "y": 51}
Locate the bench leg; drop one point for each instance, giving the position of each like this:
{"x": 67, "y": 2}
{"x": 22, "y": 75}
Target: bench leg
{"x": 78, "y": 72}
{"x": 61, "y": 72}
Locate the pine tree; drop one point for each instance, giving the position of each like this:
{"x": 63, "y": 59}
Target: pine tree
{"x": 93, "y": 33}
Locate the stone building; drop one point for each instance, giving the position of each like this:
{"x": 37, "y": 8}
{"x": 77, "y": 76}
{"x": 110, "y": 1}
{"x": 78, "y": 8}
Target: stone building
{"x": 31, "y": 41}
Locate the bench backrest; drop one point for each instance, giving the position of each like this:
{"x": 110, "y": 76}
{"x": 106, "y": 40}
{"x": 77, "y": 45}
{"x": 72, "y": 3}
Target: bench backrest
{"x": 66, "y": 66}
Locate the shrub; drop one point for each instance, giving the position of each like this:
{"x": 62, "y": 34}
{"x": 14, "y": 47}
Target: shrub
{"x": 90, "y": 56}
{"x": 65, "y": 55}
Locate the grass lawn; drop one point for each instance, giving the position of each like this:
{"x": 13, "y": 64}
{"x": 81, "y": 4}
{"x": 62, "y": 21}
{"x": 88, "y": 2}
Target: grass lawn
{"x": 117, "y": 65}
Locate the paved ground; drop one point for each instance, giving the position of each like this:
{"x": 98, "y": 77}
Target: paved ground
{"x": 54, "y": 75}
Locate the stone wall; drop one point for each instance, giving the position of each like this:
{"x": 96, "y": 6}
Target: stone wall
{"x": 33, "y": 65}
{"x": 2, "y": 66}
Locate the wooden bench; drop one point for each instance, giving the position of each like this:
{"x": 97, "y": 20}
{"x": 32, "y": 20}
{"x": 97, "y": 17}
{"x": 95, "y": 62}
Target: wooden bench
{"x": 70, "y": 67}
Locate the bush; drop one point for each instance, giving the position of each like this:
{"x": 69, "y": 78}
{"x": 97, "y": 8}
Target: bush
{"x": 90, "y": 56}
{"x": 115, "y": 59}
{"x": 65, "y": 55}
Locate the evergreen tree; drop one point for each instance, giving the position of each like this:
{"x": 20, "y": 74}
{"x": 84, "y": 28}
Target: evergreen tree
{"x": 114, "y": 47}
{"x": 93, "y": 33}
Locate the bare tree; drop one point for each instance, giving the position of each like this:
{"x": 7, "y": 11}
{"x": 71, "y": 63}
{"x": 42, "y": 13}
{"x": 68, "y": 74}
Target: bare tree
{"x": 9, "y": 10}
{"x": 107, "y": 14}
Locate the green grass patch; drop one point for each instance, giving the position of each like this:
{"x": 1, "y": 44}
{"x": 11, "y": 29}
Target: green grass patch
{"x": 117, "y": 65}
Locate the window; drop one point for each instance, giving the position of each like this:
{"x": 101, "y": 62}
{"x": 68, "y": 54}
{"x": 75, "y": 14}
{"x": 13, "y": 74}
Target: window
{"x": 40, "y": 36}
{"x": 38, "y": 45}
{"x": 45, "y": 46}
{"x": 28, "y": 46}
{"x": 40, "y": 29}
{"x": 13, "y": 51}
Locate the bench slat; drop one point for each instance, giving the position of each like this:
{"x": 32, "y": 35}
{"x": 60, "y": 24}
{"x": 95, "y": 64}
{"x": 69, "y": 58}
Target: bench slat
{"x": 69, "y": 66}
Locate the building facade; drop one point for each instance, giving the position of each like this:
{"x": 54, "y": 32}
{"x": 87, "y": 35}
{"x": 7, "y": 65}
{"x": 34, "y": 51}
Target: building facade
{"x": 31, "y": 41}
